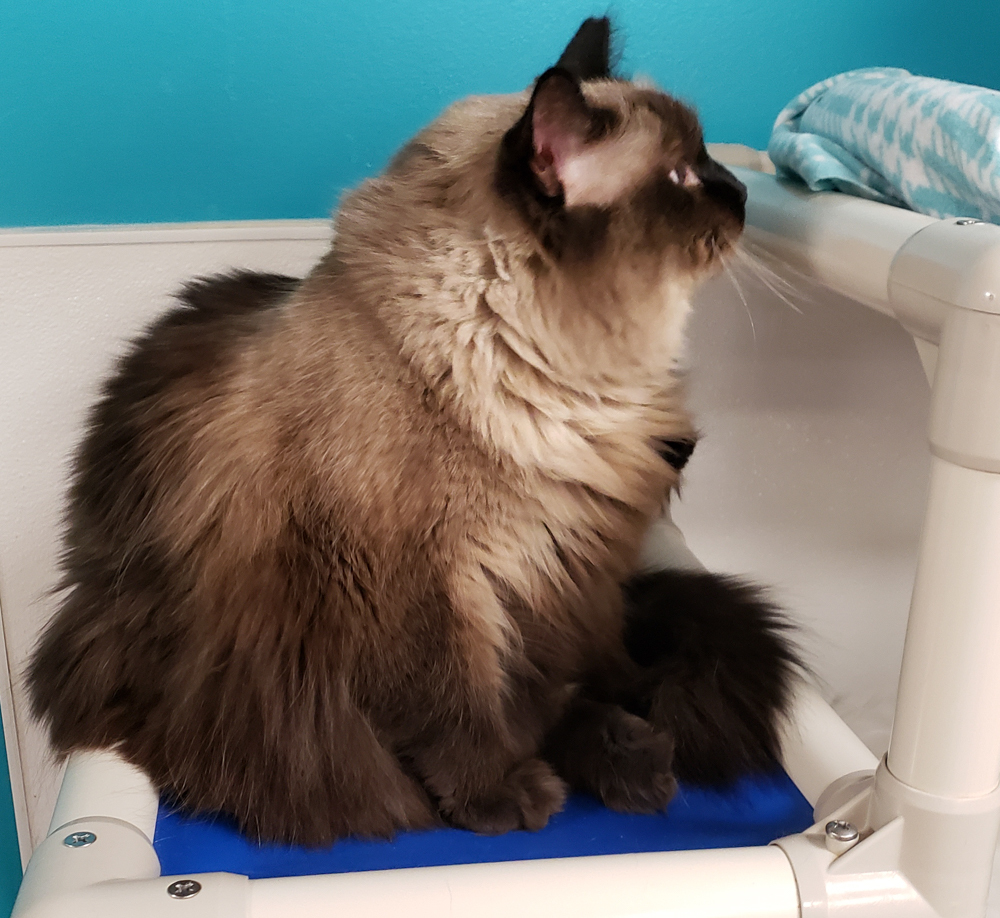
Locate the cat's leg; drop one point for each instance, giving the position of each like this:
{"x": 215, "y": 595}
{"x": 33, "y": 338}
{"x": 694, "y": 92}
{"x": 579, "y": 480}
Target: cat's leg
{"x": 480, "y": 761}
{"x": 314, "y": 785}
{"x": 477, "y": 710}
{"x": 483, "y": 784}
{"x": 600, "y": 748}
{"x": 524, "y": 798}
{"x": 257, "y": 727}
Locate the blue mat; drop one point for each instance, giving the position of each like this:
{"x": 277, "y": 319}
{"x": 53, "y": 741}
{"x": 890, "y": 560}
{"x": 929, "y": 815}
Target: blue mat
{"x": 752, "y": 812}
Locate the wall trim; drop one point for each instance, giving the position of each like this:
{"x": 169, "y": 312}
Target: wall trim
{"x": 159, "y": 233}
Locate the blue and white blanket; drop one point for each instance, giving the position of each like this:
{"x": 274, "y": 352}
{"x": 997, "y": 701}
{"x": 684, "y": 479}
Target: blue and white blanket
{"x": 884, "y": 134}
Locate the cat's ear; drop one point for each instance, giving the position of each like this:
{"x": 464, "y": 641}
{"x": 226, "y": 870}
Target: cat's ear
{"x": 560, "y": 121}
{"x": 588, "y": 54}
{"x": 555, "y": 148}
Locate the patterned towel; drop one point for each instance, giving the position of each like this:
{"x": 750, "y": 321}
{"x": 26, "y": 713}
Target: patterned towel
{"x": 883, "y": 134}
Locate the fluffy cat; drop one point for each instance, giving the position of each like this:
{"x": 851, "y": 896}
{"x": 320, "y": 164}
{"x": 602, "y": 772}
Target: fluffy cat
{"x": 347, "y": 555}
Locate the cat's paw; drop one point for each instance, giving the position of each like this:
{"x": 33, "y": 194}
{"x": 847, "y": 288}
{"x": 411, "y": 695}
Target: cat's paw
{"x": 634, "y": 772}
{"x": 525, "y": 799}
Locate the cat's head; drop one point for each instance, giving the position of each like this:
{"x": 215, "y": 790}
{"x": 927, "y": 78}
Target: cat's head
{"x": 600, "y": 167}
{"x": 598, "y": 204}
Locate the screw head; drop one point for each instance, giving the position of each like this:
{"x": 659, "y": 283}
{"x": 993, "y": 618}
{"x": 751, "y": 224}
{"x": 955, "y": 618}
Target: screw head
{"x": 79, "y": 839}
{"x": 183, "y": 889}
{"x": 968, "y": 221}
{"x": 840, "y": 831}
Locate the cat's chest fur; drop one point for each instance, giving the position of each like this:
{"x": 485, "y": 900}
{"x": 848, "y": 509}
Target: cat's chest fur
{"x": 528, "y": 489}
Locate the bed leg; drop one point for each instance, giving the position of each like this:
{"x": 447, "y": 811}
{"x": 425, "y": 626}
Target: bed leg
{"x": 943, "y": 767}
{"x": 927, "y": 830}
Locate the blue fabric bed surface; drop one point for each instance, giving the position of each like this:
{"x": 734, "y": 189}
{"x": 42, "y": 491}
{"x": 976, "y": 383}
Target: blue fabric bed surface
{"x": 752, "y": 812}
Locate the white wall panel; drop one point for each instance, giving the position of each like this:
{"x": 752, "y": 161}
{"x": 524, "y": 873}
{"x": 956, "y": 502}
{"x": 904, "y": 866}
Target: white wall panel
{"x": 69, "y": 300}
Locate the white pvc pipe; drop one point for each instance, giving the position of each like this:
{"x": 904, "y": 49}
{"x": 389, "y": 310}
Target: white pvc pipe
{"x": 63, "y": 880}
{"x": 946, "y": 733}
{"x": 949, "y": 264}
{"x": 666, "y": 548}
{"x": 909, "y": 266}
{"x": 722, "y": 883}
{"x": 102, "y": 784}
{"x": 845, "y": 243}
{"x": 818, "y": 747}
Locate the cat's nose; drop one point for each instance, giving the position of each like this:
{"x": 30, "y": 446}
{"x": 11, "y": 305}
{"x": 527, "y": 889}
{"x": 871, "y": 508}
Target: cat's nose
{"x": 725, "y": 187}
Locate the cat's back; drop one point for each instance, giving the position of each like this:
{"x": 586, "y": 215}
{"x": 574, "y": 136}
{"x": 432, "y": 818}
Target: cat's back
{"x": 162, "y": 389}
{"x": 246, "y": 401}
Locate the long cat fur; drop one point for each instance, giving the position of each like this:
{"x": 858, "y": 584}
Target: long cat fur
{"x": 340, "y": 552}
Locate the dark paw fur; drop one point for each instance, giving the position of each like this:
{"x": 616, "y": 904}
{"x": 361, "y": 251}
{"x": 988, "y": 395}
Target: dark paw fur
{"x": 525, "y": 799}
{"x": 635, "y": 775}
{"x": 617, "y": 756}
{"x": 718, "y": 667}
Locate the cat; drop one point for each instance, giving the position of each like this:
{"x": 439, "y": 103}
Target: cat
{"x": 351, "y": 554}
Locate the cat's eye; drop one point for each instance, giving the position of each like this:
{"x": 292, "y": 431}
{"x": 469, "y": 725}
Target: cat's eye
{"x": 683, "y": 176}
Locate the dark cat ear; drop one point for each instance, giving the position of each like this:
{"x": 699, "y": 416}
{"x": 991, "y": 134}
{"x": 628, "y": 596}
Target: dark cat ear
{"x": 554, "y": 150}
{"x": 587, "y": 56}
{"x": 560, "y": 124}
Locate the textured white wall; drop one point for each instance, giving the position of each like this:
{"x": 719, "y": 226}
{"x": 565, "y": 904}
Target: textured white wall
{"x": 811, "y": 475}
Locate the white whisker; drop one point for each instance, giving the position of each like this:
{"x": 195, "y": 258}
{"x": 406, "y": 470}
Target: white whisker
{"x": 746, "y": 305}
{"x": 776, "y": 283}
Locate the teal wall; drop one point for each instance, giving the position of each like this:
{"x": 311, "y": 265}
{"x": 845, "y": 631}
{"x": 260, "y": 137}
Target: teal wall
{"x": 10, "y": 855}
{"x": 116, "y": 111}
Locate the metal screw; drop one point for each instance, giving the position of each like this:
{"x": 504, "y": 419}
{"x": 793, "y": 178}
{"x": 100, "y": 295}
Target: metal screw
{"x": 968, "y": 221}
{"x": 79, "y": 839}
{"x": 840, "y": 835}
{"x": 183, "y": 889}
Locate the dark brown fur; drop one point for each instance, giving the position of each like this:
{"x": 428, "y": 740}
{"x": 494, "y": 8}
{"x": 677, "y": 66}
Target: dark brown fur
{"x": 716, "y": 666}
{"x": 338, "y": 552}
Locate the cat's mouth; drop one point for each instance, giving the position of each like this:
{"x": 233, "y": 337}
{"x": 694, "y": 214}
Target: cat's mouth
{"x": 715, "y": 247}
{"x": 709, "y": 249}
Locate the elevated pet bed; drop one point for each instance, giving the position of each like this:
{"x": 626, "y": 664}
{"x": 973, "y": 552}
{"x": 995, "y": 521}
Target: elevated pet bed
{"x": 913, "y": 834}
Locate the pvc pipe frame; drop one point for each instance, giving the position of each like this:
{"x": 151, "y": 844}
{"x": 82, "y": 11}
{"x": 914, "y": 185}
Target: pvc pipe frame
{"x": 933, "y": 812}
{"x": 928, "y": 815}
{"x": 117, "y": 874}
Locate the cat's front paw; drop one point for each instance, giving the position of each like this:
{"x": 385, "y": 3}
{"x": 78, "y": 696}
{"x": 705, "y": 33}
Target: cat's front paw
{"x": 624, "y": 760}
{"x": 525, "y": 799}
{"x": 634, "y": 771}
